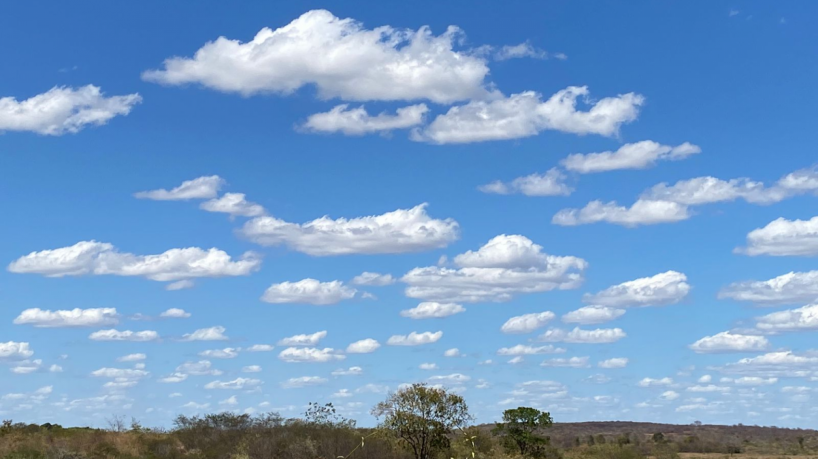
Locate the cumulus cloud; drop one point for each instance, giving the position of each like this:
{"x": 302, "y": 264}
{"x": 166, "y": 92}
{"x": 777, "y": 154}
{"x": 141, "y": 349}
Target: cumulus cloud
{"x": 650, "y": 382}
{"x": 639, "y": 155}
{"x": 592, "y": 315}
{"x": 132, "y": 358}
{"x": 356, "y": 121}
{"x": 527, "y": 323}
{"x": 523, "y": 349}
{"x": 642, "y": 212}
{"x": 399, "y": 231}
{"x": 303, "y": 339}
{"x": 260, "y": 348}
{"x": 226, "y": 353}
{"x": 236, "y": 384}
{"x": 618, "y": 362}
{"x": 505, "y": 266}
{"x": 373, "y": 279}
{"x": 454, "y": 378}
{"x": 200, "y": 368}
{"x": 526, "y": 114}
{"x": 233, "y": 204}
{"x": 180, "y": 285}
{"x": 351, "y": 371}
{"x": 125, "y": 335}
{"x": 339, "y": 57}
{"x": 730, "y": 342}
{"x": 310, "y": 355}
{"x": 662, "y": 289}
{"x": 206, "y": 334}
{"x": 573, "y": 362}
{"x": 63, "y": 110}
{"x": 787, "y": 288}
{"x": 800, "y": 319}
{"x": 580, "y": 336}
{"x": 94, "y": 317}
{"x": 783, "y": 237}
{"x": 364, "y": 346}
{"x": 552, "y": 183}
{"x": 175, "y": 313}
{"x": 304, "y": 381}
{"x": 522, "y": 50}
{"x": 99, "y": 258}
{"x": 774, "y": 364}
{"x": 205, "y": 187}
{"x": 308, "y": 291}
{"x": 432, "y": 310}
{"x": 414, "y": 339}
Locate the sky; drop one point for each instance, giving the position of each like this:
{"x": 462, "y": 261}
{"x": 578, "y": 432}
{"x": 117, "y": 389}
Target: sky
{"x": 603, "y": 211}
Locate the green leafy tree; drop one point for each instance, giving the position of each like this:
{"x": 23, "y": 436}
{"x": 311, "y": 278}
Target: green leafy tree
{"x": 422, "y": 418}
{"x": 520, "y": 429}
{"x": 658, "y": 437}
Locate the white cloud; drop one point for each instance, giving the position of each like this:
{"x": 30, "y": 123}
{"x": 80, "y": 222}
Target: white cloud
{"x": 55, "y": 368}
{"x": 173, "y": 378}
{"x": 206, "y": 334}
{"x": 373, "y": 279}
{"x": 175, "y": 313}
{"x": 200, "y": 368}
{"x": 527, "y": 323}
{"x": 639, "y": 155}
{"x": 226, "y": 353}
{"x": 573, "y": 362}
{"x": 580, "y": 336}
{"x": 196, "y": 406}
{"x": 454, "y": 378}
{"x": 774, "y": 364}
{"x": 95, "y": 317}
{"x": 662, "y": 289}
{"x": 399, "y": 231}
{"x": 132, "y": 358}
{"x": 304, "y": 339}
{"x": 180, "y": 285}
{"x": 364, "y": 346}
{"x": 705, "y": 379}
{"x": 414, "y": 339}
{"x": 801, "y": 319}
{"x": 233, "y": 204}
{"x": 505, "y": 266}
{"x": 205, "y": 187}
{"x": 670, "y": 395}
{"x": 342, "y": 393}
{"x": 25, "y": 367}
{"x": 552, "y": 183}
{"x": 592, "y": 315}
{"x": 650, "y": 382}
{"x": 260, "y": 348}
{"x": 432, "y": 310}
{"x": 618, "y": 362}
{"x": 523, "y": 349}
{"x": 755, "y": 381}
{"x": 709, "y": 388}
{"x": 787, "y": 288}
{"x": 340, "y": 57}
{"x": 351, "y": 371}
{"x": 251, "y": 369}
{"x": 642, "y": 212}
{"x": 308, "y": 291}
{"x": 428, "y": 366}
{"x": 730, "y": 342}
{"x": 356, "y": 121}
{"x": 125, "y": 335}
{"x": 453, "y": 352}
{"x": 525, "y": 114}
{"x": 522, "y": 50}
{"x": 303, "y": 381}
{"x": 310, "y": 355}
{"x": 236, "y": 384}
{"x": 783, "y": 237}
{"x": 99, "y": 258}
{"x": 63, "y": 110}
{"x": 127, "y": 373}
{"x": 230, "y": 401}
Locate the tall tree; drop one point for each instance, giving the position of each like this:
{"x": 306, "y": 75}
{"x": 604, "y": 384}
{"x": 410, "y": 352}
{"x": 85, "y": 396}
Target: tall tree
{"x": 423, "y": 418}
{"x": 520, "y": 428}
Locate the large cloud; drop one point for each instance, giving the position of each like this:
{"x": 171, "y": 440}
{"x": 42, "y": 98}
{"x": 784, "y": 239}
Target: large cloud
{"x": 99, "y": 258}
{"x": 432, "y": 310}
{"x": 63, "y": 110}
{"x": 414, "y": 339}
{"x": 730, "y": 342}
{"x": 662, "y": 289}
{"x": 94, "y": 317}
{"x": 310, "y": 354}
{"x": 799, "y": 319}
{"x": 340, "y": 57}
{"x": 639, "y": 155}
{"x": 11, "y": 350}
{"x": 783, "y": 237}
{"x": 527, "y": 323}
{"x": 592, "y": 315}
{"x": 642, "y": 212}
{"x": 787, "y": 288}
{"x": 580, "y": 336}
{"x": 124, "y": 335}
{"x": 505, "y": 266}
{"x": 551, "y": 183}
{"x": 356, "y": 121}
{"x": 303, "y": 339}
{"x": 400, "y": 231}
{"x": 308, "y": 291}
{"x": 526, "y": 114}
{"x": 205, "y": 187}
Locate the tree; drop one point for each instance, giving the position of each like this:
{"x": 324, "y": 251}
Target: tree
{"x": 520, "y": 427}
{"x": 658, "y": 437}
{"x": 422, "y": 418}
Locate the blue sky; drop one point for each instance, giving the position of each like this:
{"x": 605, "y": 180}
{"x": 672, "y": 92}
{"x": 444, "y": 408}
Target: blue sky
{"x": 606, "y": 213}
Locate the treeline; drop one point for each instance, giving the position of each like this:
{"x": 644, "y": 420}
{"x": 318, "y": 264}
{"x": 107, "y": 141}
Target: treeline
{"x": 418, "y": 422}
